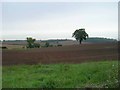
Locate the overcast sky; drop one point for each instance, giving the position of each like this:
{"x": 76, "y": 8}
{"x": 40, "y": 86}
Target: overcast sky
{"x": 50, "y": 20}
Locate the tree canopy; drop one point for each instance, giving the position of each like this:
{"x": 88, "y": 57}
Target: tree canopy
{"x": 31, "y": 43}
{"x": 80, "y": 35}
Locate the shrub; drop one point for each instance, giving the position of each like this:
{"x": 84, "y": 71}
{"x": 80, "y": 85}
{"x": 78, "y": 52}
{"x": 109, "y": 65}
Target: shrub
{"x": 59, "y": 45}
{"x": 47, "y": 44}
{"x": 4, "y": 47}
{"x": 36, "y": 45}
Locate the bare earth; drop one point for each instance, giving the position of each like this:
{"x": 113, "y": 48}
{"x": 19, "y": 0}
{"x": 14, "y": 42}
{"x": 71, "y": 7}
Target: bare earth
{"x": 64, "y": 54}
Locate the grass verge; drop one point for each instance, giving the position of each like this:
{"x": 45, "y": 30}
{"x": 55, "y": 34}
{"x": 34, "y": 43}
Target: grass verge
{"x": 102, "y": 74}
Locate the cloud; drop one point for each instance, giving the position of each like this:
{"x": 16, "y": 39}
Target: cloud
{"x": 97, "y": 19}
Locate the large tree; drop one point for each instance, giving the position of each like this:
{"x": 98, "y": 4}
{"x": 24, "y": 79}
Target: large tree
{"x": 80, "y": 35}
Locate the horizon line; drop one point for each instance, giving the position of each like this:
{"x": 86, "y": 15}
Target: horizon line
{"x": 55, "y": 39}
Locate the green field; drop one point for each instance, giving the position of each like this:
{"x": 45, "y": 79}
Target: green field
{"x": 93, "y": 74}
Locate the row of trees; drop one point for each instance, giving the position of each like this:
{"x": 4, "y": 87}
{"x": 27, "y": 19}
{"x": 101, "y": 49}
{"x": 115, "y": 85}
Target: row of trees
{"x": 79, "y": 35}
{"x": 31, "y": 43}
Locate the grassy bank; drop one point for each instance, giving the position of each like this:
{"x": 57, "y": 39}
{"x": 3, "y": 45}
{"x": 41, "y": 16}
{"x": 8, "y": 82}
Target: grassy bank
{"x": 93, "y": 74}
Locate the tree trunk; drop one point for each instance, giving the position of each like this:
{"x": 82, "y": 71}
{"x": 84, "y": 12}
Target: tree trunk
{"x": 79, "y": 41}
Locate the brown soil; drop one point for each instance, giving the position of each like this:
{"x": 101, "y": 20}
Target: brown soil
{"x": 64, "y": 54}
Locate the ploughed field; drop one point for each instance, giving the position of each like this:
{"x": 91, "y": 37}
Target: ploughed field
{"x": 64, "y": 54}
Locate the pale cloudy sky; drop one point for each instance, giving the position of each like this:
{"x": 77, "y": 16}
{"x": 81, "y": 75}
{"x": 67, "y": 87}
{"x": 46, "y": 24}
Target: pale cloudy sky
{"x": 50, "y": 20}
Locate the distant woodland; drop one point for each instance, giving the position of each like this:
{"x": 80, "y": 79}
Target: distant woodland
{"x": 90, "y": 39}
